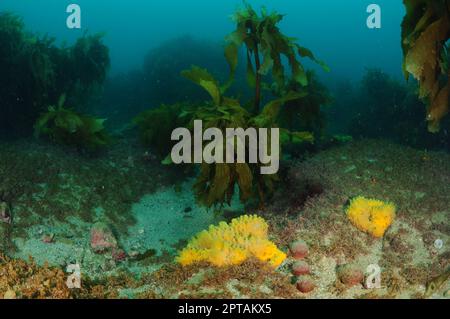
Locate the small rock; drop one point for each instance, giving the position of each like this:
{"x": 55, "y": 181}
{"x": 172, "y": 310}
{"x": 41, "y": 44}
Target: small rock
{"x": 102, "y": 238}
{"x": 133, "y": 253}
{"x": 119, "y": 255}
{"x": 10, "y": 294}
{"x": 48, "y": 239}
{"x": 305, "y": 284}
{"x": 350, "y": 275}
{"x": 300, "y": 268}
{"x": 299, "y": 249}
{"x": 438, "y": 244}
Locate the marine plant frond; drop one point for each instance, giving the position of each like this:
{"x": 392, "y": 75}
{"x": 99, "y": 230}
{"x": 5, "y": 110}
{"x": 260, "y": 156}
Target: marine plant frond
{"x": 265, "y": 47}
{"x": 91, "y": 57}
{"x": 203, "y": 78}
{"x": 36, "y": 69}
{"x": 156, "y": 125}
{"x": 270, "y": 112}
{"x": 425, "y": 33}
{"x": 68, "y": 127}
{"x": 287, "y": 137}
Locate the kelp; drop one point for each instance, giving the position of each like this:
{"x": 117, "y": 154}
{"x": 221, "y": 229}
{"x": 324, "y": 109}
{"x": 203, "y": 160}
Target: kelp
{"x": 87, "y": 64}
{"x": 91, "y": 57}
{"x": 425, "y": 35}
{"x": 25, "y": 75}
{"x": 217, "y": 182}
{"x": 306, "y": 112}
{"x": 163, "y": 64}
{"x": 35, "y": 72}
{"x": 156, "y": 126}
{"x": 394, "y": 107}
{"x": 265, "y": 47}
{"x": 288, "y": 137}
{"x": 65, "y": 126}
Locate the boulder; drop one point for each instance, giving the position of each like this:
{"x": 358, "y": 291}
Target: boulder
{"x": 102, "y": 238}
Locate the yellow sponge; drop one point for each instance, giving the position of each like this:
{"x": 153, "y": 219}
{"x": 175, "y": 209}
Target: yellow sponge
{"x": 370, "y": 215}
{"x": 231, "y": 244}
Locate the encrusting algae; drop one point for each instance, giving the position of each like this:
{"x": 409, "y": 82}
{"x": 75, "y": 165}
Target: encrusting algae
{"x": 232, "y": 244}
{"x": 370, "y": 215}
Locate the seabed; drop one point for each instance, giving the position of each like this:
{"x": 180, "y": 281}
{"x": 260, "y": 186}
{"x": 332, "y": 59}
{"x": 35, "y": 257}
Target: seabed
{"x": 152, "y": 216}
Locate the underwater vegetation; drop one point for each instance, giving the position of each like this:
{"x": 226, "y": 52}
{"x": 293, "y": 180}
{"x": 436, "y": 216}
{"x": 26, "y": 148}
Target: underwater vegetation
{"x": 232, "y": 244}
{"x": 126, "y": 218}
{"x": 216, "y": 182}
{"x": 158, "y": 81}
{"x": 425, "y": 34}
{"x": 156, "y": 125}
{"x": 306, "y": 113}
{"x": 65, "y": 126}
{"x": 36, "y": 72}
{"x": 162, "y": 67}
{"x": 370, "y": 215}
{"x": 264, "y": 45}
{"x": 394, "y": 106}
{"x": 262, "y": 38}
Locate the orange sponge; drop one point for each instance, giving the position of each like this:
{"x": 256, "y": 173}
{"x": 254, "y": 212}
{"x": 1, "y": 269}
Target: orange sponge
{"x": 231, "y": 244}
{"x": 371, "y": 216}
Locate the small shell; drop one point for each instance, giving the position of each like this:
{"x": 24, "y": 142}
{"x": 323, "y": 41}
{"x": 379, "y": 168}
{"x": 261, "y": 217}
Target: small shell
{"x": 438, "y": 244}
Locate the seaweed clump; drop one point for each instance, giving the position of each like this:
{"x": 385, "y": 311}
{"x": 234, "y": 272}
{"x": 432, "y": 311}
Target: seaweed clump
{"x": 217, "y": 181}
{"x": 306, "y": 113}
{"x": 36, "y": 72}
{"x": 425, "y": 34}
{"x": 156, "y": 125}
{"x": 65, "y": 126}
{"x": 396, "y": 109}
{"x": 19, "y": 279}
{"x": 163, "y": 64}
{"x": 265, "y": 46}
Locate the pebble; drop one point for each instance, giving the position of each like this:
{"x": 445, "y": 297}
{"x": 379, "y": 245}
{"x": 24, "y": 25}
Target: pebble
{"x": 350, "y": 275}
{"x": 299, "y": 249}
{"x": 305, "y": 284}
{"x": 300, "y": 268}
{"x": 438, "y": 244}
